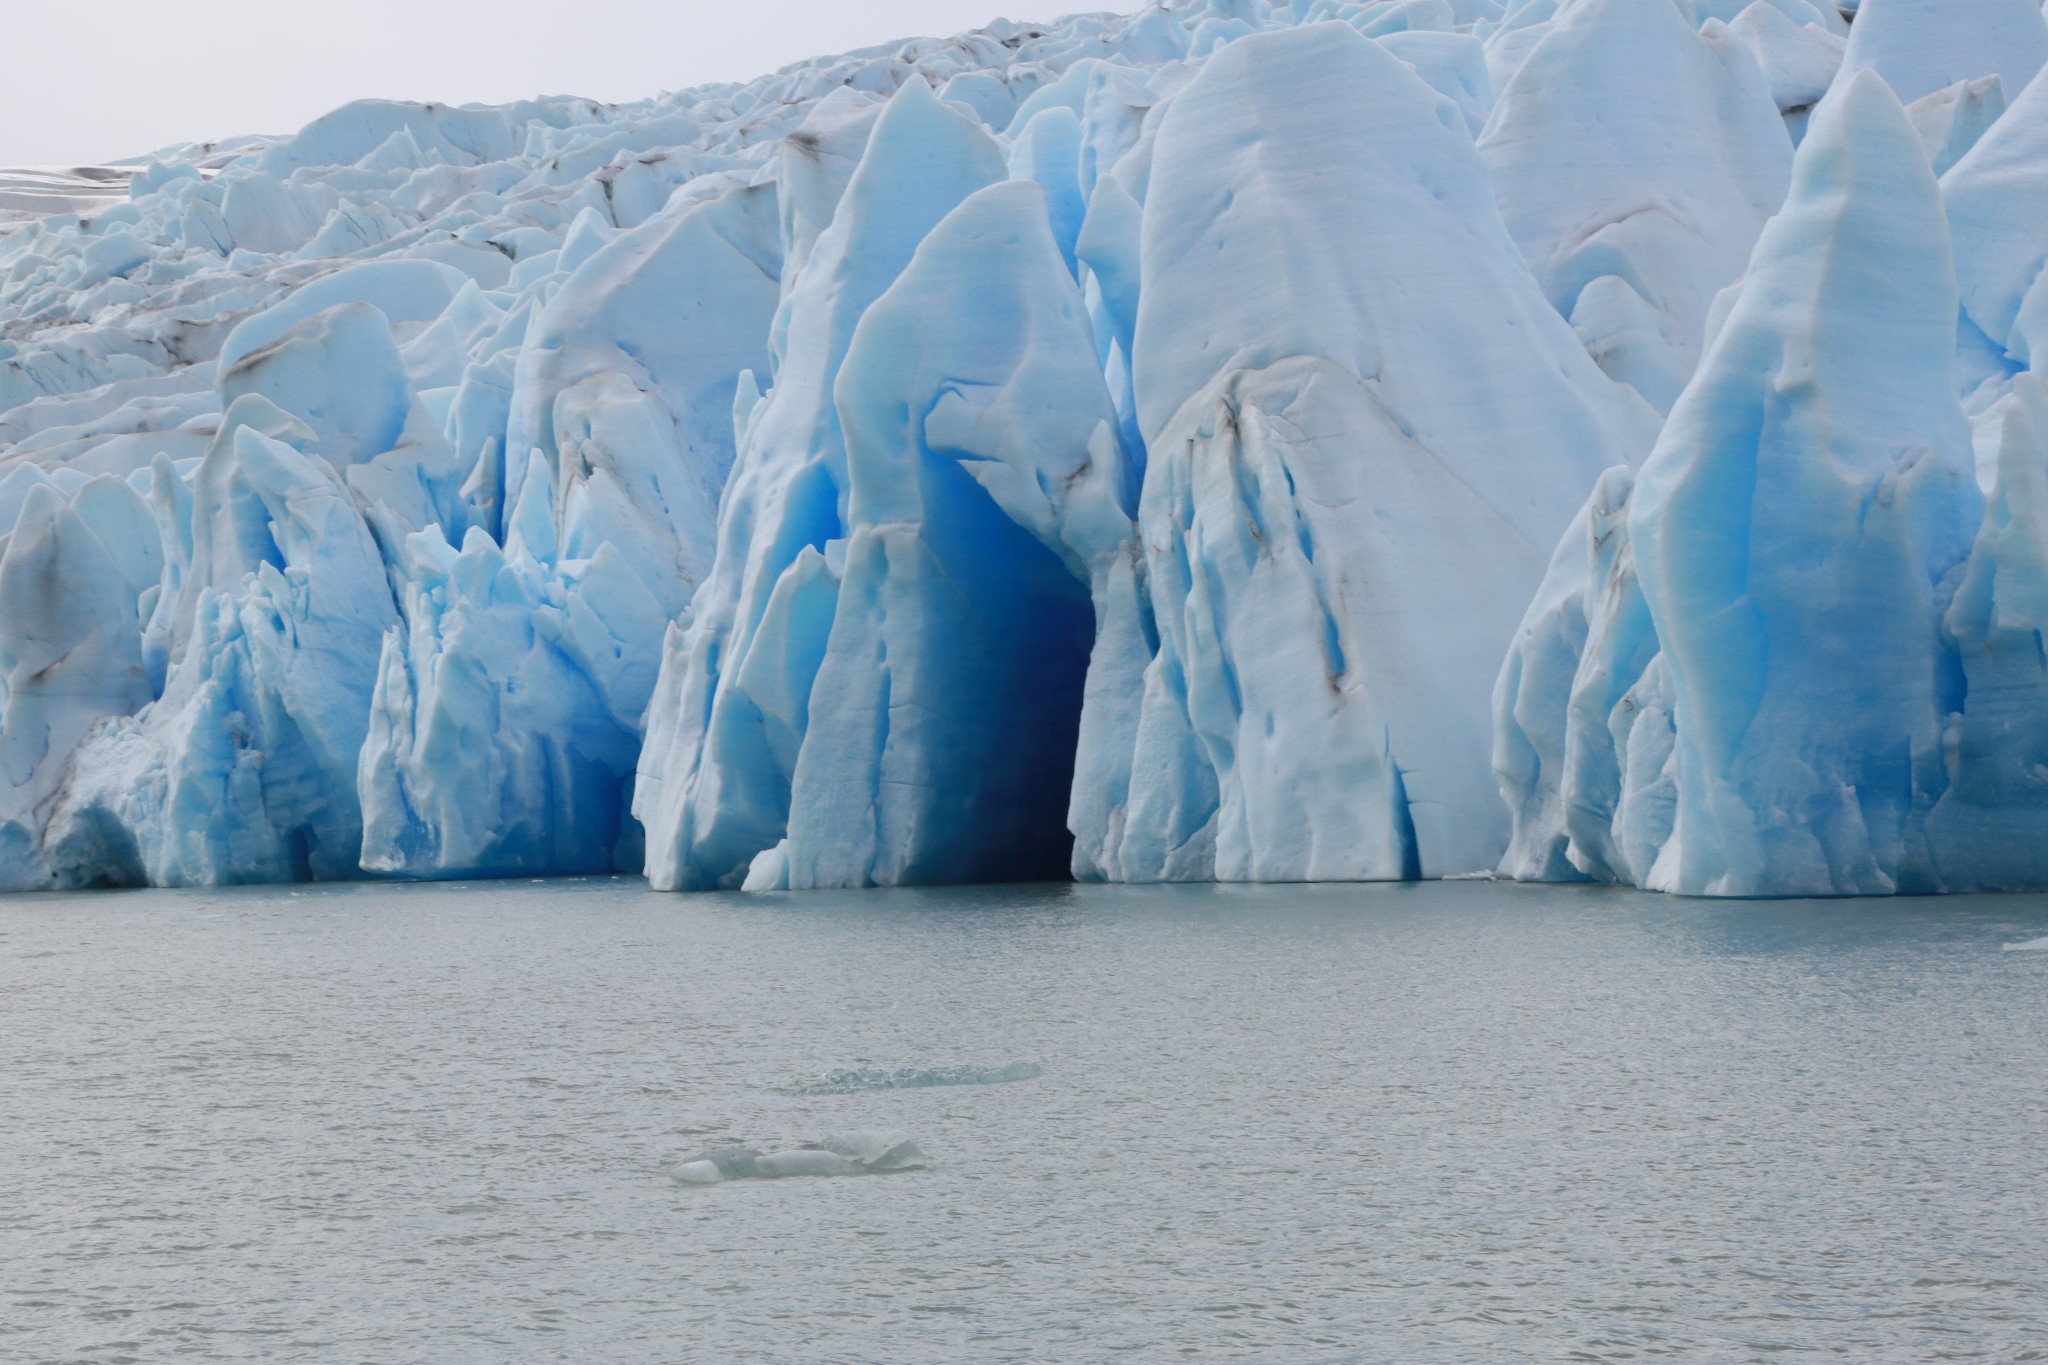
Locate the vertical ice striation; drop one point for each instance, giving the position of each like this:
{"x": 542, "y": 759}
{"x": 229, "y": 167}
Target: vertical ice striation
{"x": 714, "y": 779}
{"x": 1575, "y": 689}
{"x": 504, "y": 723}
{"x": 983, "y": 472}
{"x": 1793, "y": 529}
{"x": 1336, "y": 536}
{"x": 1987, "y": 831}
{"x": 1797, "y": 534}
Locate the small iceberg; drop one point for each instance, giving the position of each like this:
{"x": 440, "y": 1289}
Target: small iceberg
{"x": 2039, "y": 945}
{"x": 860, "y": 1080}
{"x": 859, "y": 1153}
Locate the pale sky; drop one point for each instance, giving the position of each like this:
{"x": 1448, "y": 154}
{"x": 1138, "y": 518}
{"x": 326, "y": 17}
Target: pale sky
{"x": 98, "y": 80}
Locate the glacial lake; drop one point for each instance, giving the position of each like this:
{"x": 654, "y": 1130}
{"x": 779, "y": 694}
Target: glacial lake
{"x": 1446, "y": 1123}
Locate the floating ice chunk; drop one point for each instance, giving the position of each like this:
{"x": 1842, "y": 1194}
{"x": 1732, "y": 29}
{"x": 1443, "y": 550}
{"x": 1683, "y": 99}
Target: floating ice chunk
{"x": 860, "y": 1080}
{"x": 803, "y": 1162}
{"x": 857, "y": 1153}
{"x": 732, "y": 1162}
{"x": 698, "y": 1173}
{"x": 878, "y": 1149}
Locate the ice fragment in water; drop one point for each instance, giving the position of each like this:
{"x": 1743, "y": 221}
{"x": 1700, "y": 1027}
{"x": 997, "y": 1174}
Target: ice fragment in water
{"x": 856, "y": 1080}
{"x": 803, "y": 1161}
{"x": 861, "y": 1152}
{"x": 698, "y": 1173}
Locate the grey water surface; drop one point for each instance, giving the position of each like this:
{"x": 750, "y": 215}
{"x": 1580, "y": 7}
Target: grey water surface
{"x": 1461, "y": 1122}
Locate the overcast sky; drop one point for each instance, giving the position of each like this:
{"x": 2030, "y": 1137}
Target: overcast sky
{"x": 96, "y": 80}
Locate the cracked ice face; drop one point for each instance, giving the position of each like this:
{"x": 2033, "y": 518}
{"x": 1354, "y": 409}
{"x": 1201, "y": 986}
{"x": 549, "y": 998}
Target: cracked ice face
{"x": 1123, "y": 447}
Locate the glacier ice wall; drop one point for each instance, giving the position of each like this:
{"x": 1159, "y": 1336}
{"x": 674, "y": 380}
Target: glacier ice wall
{"x": 1633, "y": 224}
{"x": 983, "y": 472}
{"x": 1789, "y": 656}
{"x": 1123, "y": 447}
{"x": 1332, "y": 529}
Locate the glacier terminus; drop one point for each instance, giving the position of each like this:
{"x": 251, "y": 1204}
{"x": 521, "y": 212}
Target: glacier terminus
{"x": 1235, "y": 440}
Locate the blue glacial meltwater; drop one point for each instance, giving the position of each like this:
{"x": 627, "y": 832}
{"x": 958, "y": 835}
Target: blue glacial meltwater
{"x": 1460, "y": 1122}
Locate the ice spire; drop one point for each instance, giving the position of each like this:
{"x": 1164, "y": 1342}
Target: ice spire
{"x": 1808, "y": 495}
{"x": 714, "y": 778}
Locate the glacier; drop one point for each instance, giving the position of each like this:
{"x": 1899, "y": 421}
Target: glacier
{"x": 1237, "y": 440}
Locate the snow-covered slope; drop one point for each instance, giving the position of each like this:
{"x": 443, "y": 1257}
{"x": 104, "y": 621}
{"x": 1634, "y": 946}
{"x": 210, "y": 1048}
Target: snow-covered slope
{"x": 1123, "y": 445}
